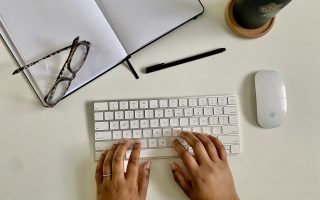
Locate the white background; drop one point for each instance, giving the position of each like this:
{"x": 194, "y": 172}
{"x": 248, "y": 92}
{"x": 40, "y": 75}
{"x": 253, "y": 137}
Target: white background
{"x": 48, "y": 153}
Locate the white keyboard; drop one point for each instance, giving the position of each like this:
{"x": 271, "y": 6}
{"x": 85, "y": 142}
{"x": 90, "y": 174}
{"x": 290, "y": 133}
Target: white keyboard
{"x": 156, "y": 122}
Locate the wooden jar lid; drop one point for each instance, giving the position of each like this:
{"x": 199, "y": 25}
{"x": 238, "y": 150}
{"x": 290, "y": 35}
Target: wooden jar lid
{"x": 244, "y": 32}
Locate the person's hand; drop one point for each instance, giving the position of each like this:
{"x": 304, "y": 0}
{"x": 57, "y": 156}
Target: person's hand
{"x": 113, "y": 183}
{"x": 209, "y": 176}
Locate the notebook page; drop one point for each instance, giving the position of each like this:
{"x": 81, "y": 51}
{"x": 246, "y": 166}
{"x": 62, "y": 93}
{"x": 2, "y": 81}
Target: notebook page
{"x": 138, "y": 22}
{"x": 39, "y": 27}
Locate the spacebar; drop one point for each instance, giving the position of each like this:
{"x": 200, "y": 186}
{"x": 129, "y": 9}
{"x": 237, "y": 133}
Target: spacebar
{"x": 155, "y": 153}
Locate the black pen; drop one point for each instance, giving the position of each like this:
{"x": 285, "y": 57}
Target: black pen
{"x": 161, "y": 66}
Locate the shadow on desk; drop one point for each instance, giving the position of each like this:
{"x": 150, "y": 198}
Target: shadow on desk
{"x": 248, "y": 99}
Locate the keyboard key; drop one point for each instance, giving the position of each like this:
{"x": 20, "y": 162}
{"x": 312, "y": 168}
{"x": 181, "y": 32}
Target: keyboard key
{"x": 230, "y": 110}
{"x": 184, "y": 122}
{"x": 109, "y": 116}
{"x": 134, "y": 124}
{"x": 167, "y": 132}
{"x": 213, "y": 101}
{"x": 127, "y": 134}
{"x": 203, "y": 101}
{"x": 119, "y": 115}
{"x": 114, "y": 125}
{"x": 178, "y": 112}
{"x": 198, "y": 111}
{"x": 144, "y": 143}
{"x": 158, "y": 113}
{"x": 213, "y": 120}
{"x": 155, "y": 153}
{"x": 223, "y": 120}
{"x": 152, "y": 143}
{"x": 101, "y": 146}
{"x": 103, "y": 135}
{"x": 174, "y": 122}
{"x": 154, "y": 104}
{"x": 230, "y": 129}
{"x": 227, "y": 139}
{"x": 128, "y": 114}
{"x": 147, "y": 133}
{"x": 233, "y": 119}
{"x": 101, "y": 126}
{"x": 218, "y": 111}
{"x": 193, "y": 102}
{"x": 157, "y": 132}
{"x": 163, "y": 103}
{"x": 113, "y": 106}
{"x": 137, "y": 133}
{"x": 197, "y": 129}
{"x": 216, "y": 130}
{"x": 204, "y": 121}
{"x": 117, "y": 135}
{"x": 173, "y": 103}
{"x": 138, "y": 114}
{"x": 98, "y": 116}
{"x": 100, "y": 106}
{"x": 124, "y": 125}
{"x": 222, "y": 101}
{"x": 207, "y": 130}
{"x": 187, "y": 129}
{"x": 168, "y": 112}
{"x": 164, "y": 122}
{"x": 124, "y": 105}
{"x": 208, "y": 111}
{"x": 134, "y": 105}
{"x": 232, "y": 100}
{"x": 154, "y": 123}
{"x": 183, "y": 102}
{"x": 144, "y": 104}
{"x": 194, "y": 121}
{"x": 144, "y": 124}
{"x": 235, "y": 149}
{"x": 188, "y": 112}
{"x": 163, "y": 142}
{"x": 149, "y": 114}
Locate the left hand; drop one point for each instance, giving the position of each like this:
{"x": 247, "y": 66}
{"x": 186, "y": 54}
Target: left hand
{"x": 131, "y": 185}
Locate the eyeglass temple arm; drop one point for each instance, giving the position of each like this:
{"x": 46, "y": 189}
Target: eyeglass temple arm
{"x": 131, "y": 68}
{"x": 35, "y": 62}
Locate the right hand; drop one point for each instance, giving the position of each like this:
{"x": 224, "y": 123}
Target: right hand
{"x": 209, "y": 176}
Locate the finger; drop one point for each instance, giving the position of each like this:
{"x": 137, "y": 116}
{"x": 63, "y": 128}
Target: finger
{"x": 187, "y": 159}
{"x": 208, "y": 144}
{"x": 107, "y": 164}
{"x": 143, "y": 179}
{"x": 118, "y": 159}
{"x": 99, "y": 169}
{"x": 197, "y": 146}
{"x": 220, "y": 148}
{"x": 181, "y": 179}
{"x": 133, "y": 163}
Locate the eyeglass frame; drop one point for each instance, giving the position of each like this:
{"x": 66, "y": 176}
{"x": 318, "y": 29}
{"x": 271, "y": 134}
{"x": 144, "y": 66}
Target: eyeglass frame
{"x": 66, "y": 65}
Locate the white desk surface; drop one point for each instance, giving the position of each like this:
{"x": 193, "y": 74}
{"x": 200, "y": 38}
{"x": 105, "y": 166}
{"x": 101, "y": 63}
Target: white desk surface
{"x": 48, "y": 153}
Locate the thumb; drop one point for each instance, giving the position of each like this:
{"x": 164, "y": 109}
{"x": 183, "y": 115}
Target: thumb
{"x": 143, "y": 179}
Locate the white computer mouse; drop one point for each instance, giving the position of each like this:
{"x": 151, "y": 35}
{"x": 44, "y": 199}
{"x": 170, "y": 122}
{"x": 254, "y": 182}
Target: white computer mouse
{"x": 271, "y": 99}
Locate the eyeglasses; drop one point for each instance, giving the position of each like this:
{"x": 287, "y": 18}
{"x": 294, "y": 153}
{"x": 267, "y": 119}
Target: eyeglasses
{"x": 78, "y": 53}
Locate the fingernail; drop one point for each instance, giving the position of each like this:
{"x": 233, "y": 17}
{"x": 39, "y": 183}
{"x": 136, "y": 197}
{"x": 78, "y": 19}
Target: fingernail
{"x": 173, "y": 166}
{"x": 137, "y": 141}
{"x": 147, "y": 165}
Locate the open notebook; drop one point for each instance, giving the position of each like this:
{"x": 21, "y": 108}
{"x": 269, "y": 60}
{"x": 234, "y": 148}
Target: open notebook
{"x": 115, "y": 28}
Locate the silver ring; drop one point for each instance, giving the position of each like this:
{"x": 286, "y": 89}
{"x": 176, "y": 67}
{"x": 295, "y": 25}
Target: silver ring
{"x": 106, "y": 175}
